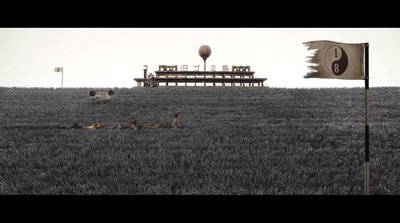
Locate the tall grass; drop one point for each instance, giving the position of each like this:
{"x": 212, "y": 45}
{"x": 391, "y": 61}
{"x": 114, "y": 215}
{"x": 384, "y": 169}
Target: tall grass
{"x": 234, "y": 141}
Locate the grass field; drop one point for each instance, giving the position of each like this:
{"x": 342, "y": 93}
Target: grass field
{"x": 234, "y": 141}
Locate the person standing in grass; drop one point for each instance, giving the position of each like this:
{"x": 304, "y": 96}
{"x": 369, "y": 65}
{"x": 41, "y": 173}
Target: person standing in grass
{"x": 175, "y": 124}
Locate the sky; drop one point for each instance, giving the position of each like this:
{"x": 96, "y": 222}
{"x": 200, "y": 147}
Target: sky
{"x": 113, "y": 57}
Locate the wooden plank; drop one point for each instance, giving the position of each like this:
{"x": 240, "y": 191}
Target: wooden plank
{"x": 204, "y": 73}
{"x": 210, "y": 80}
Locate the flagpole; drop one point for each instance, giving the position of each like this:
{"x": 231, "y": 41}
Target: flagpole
{"x": 366, "y": 119}
{"x": 62, "y": 77}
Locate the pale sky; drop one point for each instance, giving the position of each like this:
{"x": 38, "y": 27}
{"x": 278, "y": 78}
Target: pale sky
{"x": 112, "y": 57}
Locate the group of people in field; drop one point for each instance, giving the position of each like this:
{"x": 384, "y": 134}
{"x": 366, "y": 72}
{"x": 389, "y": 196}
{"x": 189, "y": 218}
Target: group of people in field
{"x": 133, "y": 125}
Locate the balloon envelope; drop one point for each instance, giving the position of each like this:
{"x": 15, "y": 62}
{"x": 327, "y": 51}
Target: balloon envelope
{"x": 204, "y": 52}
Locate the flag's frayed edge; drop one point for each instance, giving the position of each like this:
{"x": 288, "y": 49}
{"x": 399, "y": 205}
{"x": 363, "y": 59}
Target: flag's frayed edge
{"x": 312, "y": 47}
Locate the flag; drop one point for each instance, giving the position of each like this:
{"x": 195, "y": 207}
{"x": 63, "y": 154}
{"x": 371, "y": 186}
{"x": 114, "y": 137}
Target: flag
{"x": 335, "y": 60}
{"x": 58, "y": 69}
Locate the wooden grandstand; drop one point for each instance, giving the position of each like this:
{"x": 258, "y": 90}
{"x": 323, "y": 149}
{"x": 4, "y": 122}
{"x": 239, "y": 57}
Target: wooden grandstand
{"x": 170, "y": 76}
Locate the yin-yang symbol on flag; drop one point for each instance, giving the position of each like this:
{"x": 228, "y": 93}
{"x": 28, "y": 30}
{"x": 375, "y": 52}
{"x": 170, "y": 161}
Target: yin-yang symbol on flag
{"x": 336, "y": 60}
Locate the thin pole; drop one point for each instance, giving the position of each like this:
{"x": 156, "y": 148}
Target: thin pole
{"x": 62, "y": 77}
{"x": 366, "y": 119}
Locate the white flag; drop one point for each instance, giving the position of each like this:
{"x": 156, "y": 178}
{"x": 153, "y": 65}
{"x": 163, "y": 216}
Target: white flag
{"x": 335, "y": 60}
{"x": 58, "y": 69}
